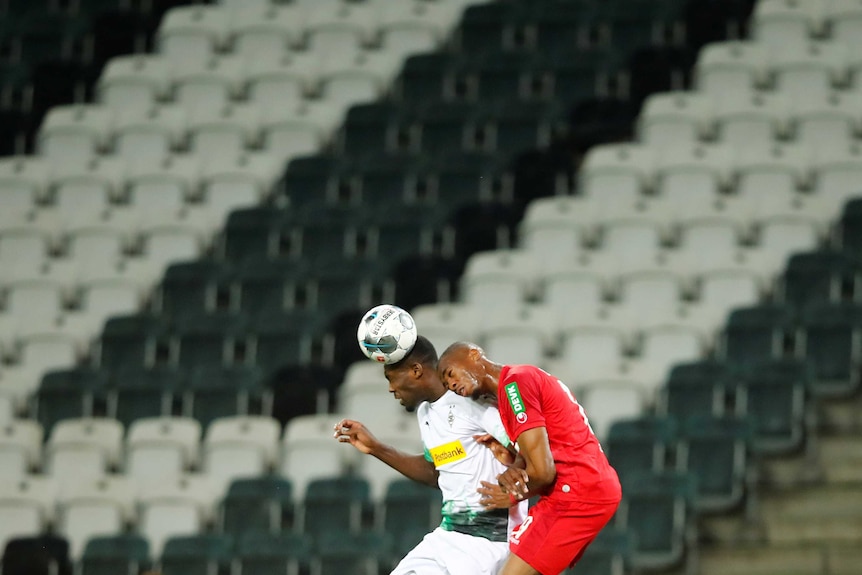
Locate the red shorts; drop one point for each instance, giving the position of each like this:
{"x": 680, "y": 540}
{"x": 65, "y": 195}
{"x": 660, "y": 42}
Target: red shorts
{"x": 555, "y": 533}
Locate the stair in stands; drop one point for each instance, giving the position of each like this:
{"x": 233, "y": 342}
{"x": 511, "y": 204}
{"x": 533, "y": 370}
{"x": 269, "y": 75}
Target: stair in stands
{"x": 808, "y": 522}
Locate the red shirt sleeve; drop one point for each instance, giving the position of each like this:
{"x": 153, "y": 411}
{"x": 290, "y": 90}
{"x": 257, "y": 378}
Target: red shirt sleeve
{"x": 519, "y": 401}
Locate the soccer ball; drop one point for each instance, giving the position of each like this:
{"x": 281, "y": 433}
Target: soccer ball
{"x": 386, "y": 334}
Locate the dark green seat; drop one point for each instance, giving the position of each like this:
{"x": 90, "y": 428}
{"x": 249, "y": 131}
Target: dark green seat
{"x": 115, "y": 555}
{"x": 774, "y": 397}
{"x": 280, "y": 340}
{"x": 410, "y": 511}
{"x": 213, "y": 392}
{"x": 216, "y": 339}
{"x": 448, "y": 126}
{"x": 756, "y": 334}
{"x": 274, "y": 553}
{"x": 197, "y": 555}
{"x": 193, "y": 288}
{"x": 608, "y": 554}
{"x": 68, "y": 393}
{"x": 371, "y": 129}
{"x": 335, "y": 506}
{"x": 520, "y": 126}
{"x": 426, "y": 77}
{"x": 820, "y": 276}
{"x": 832, "y": 344}
{"x": 696, "y": 388}
{"x": 849, "y": 230}
{"x": 133, "y": 340}
{"x": 359, "y": 554}
{"x": 250, "y": 233}
{"x": 717, "y": 452}
{"x": 141, "y": 392}
{"x": 657, "y": 509}
{"x": 308, "y": 178}
{"x": 257, "y": 506}
{"x": 640, "y": 445}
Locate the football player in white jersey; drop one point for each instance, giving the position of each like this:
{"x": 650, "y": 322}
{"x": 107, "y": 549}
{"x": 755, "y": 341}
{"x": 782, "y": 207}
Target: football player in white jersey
{"x": 477, "y": 515}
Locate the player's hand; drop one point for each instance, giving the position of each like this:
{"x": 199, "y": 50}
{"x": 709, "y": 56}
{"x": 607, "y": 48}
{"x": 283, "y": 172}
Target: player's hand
{"x": 514, "y": 481}
{"x": 356, "y": 434}
{"x": 502, "y": 454}
{"x": 493, "y": 496}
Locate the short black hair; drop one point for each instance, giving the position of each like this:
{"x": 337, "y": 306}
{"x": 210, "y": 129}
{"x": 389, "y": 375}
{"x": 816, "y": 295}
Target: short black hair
{"x": 423, "y": 352}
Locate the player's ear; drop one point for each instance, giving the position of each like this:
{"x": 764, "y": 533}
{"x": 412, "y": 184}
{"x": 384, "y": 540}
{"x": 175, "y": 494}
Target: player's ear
{"x": 418, "y": 370}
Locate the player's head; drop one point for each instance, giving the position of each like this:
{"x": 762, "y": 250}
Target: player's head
{"x": 414, "y": 379}
{"x": 462, "y": 369}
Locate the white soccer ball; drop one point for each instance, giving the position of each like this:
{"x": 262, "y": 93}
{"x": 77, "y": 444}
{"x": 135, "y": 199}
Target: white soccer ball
{"x": 386, "y": 334}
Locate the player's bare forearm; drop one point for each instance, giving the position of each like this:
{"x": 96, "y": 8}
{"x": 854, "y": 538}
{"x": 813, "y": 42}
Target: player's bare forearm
{"x": 538, "y": 471}
{"x": 414, "y": 467}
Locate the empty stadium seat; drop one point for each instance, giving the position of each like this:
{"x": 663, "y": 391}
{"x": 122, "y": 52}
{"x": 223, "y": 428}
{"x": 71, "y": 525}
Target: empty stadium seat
{"x": 111, "y": 554}
{"x": 161, "y": 448}
{"x": 257, "y": 506}
{"x": 89, "y": 508}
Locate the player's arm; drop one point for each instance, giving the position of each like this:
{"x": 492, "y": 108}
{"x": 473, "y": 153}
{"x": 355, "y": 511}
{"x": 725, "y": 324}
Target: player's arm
{"x": 539, "y": 471}
{"x": 414, "y": 467}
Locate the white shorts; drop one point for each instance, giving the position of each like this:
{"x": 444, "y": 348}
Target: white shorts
{"x": 444, "y": 552}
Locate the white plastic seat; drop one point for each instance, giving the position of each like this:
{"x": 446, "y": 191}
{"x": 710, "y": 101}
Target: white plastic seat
{"x": 363, "y": 372}
{"x": 673, "y": 117}
{"x": 144, "y": 136}
{"x": 26, "y": 507}
{"x": 157, "y": 193}
{"x": 308, "y": 451}
{"x": 731, "y": 68}
{"x": 844, "y": 20}
{"x": 660, "y": 348}
{"x": 588, "y": 353}
{"x": 577, "y": 296}
{"x": 82, "y": 449}
{"x": 647, "y": 298}
{"x": 445, "y": 323}
{"x": 837, "y": 176}
{"x": 20, "y": 448}
{"x": 83, "y": 194}
{"x": 161, "y": 245}
{"x": 296, "y": 129}
{"x": 23, "y": 254}
{"x": 370, "y": 401}
{"x": 33, "y": 306}
{"x": 806, "y": 73}
{"x": 606, "y": 400}
{"x": 265, "y": 31}
{"x": 704, "y": 244}
{"x": 495, "y": 279}
{"x": 209, "y": 88}
{"x": 521, "y": 334}
{"x": 96, "y": 507}
{"x": 23, "y": 182}
{"x": 780, "y": 236}
{"x": 690, "y": 178}
{"x": 768, "y": 183}
{"x": 91, "y": 252}
{"x": 552, "y": 232}
{"x": 826, "y": 123}
{"x": 617, "y": 172}
{"x": 175, "y": 507}
{"x": 188, "y": 35}
{"x": 161, "y": 448}
{"x": 334, "y": 31}
{"x": 782, "y": 23}
{"x": 36, "y": 354}
{"x": 628, "y": 244}
{"x": 242, "y": 182}
{"x": 241, "y": 446}
{"x": 279, "y": 82}
{"x": 7, "y": 407}
{"x": 751, "y": 121}
{"x": 134, "y": 82}
{"x": 406, "y": 37}
{"x": 71, "y": 135}
{"x": 98, "y": 300}
{"x": 719, "y": 292}
{"x": 225, "y": 134}
{"x": 351, "y": 81}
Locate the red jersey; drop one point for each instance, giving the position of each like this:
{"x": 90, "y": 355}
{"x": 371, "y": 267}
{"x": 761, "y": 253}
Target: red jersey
{"x": 528, "y": 398}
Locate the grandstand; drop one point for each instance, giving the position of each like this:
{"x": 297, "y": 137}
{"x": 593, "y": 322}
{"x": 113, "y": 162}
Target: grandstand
{"x": 657, "y": 200}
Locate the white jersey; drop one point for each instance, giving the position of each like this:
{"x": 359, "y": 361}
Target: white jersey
{"x": 447, "y": 427}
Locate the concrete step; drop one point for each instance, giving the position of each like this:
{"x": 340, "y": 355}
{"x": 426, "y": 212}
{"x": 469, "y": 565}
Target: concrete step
{"x": 781, "y": 560}
{"x": 834, "y": 460}
{"x": 841, "y": 458}
{"x": 840, "y": 416}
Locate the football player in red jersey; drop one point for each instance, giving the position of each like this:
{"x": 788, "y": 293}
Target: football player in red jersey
{"x": 559, "y": 459}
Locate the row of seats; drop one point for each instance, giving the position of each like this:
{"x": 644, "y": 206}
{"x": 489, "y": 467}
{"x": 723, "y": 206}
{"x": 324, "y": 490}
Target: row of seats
{"x": 779, "y": 23}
